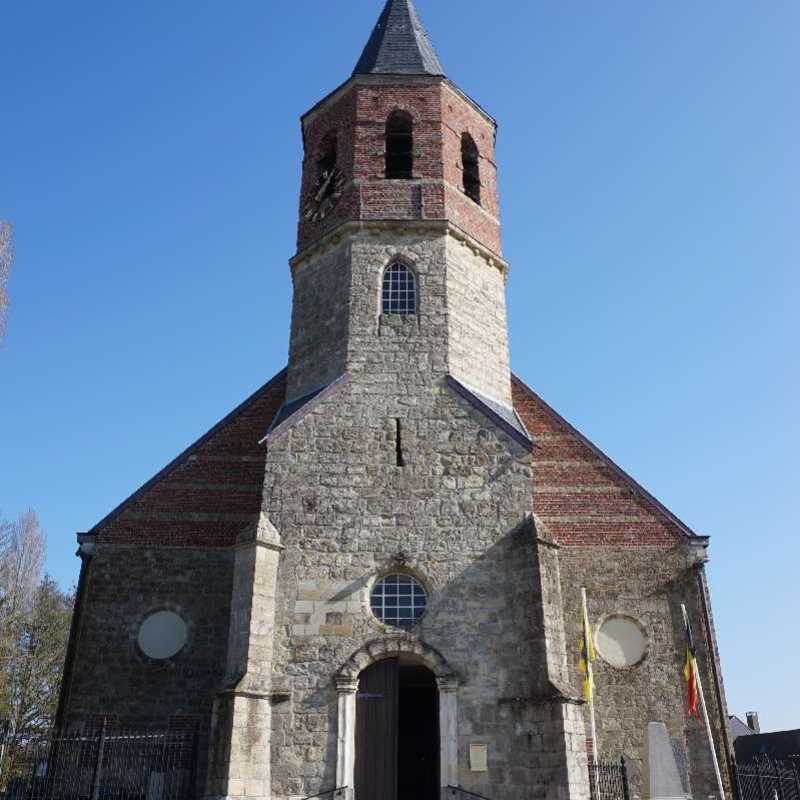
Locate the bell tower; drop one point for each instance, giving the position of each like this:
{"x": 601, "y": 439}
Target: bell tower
{"x": 399, "y": 265}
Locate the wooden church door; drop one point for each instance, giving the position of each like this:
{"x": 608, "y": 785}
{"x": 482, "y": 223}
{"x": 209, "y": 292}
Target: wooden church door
{"x": 397, "y": 733}
{"x": 376, "y": 731}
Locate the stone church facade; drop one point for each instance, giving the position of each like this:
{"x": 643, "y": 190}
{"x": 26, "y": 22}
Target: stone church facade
{"x": 368, "y": 575}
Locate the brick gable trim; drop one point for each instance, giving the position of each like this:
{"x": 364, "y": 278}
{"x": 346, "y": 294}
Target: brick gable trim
{"x": 638, "y": 490}
{"x": 188, "y": 452}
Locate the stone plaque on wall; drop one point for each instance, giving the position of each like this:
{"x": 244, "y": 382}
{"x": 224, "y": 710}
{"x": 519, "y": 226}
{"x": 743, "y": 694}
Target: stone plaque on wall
{"x": 479, "y": 757}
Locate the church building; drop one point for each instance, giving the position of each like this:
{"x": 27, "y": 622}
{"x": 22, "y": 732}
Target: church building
{"x": 367, "y": 577}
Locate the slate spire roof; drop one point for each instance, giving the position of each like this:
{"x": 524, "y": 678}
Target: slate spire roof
{"x": 399, "y": 45}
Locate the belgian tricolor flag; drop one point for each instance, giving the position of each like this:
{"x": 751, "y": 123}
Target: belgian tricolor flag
{"x": 690, "y": 673}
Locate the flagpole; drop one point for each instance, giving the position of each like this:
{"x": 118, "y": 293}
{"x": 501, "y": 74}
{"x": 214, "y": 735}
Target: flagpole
{"x": 590, "y": 676}
{"x": 707, "y": 721}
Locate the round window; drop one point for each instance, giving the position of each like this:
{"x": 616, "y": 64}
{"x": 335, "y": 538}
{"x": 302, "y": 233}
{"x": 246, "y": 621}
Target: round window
{"x": 621, "y": 641}
{"x": 398, "y": 600}
{"x": 162, "y": 635}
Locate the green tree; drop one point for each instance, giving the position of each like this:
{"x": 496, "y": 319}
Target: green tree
{"x": 34, "y": 629}
{"x": 35, "y": 672}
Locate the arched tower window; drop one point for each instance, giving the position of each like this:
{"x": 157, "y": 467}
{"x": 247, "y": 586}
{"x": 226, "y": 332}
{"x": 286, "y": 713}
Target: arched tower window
{"x": 326, "y": 164}
{"x": 399, "y": 145}
{"x": 399, "y": 294}
{"x": 470, "y": 163}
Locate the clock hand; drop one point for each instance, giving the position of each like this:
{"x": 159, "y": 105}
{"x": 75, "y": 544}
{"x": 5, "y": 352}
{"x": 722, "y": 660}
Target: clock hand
{"x": 328, "y": 177}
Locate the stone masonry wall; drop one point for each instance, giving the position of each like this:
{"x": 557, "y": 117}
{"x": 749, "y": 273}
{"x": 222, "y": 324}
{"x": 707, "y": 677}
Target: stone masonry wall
{"x": 111, "y": 676}
{"x": 345, "y": 510}
{"x": 634, "y": 558}
{"x": 477, "y": 323}
{"x": 648, "y": 584}
{"x": 455, "y": 512}
{"x": 460, "y": 324}
{"x": 397, "y": 353}
{"x": 320, "y": 320}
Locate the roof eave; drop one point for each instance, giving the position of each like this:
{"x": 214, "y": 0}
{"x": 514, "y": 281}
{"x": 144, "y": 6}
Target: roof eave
{"x": 379, "y": 77}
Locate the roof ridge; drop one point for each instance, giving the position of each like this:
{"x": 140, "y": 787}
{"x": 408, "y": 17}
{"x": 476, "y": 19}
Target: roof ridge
{"x": 399, "y": 44}
{"x": 637, "y": 487}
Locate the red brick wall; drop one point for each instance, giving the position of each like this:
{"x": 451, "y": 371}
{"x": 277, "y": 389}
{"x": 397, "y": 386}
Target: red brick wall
{"x": 210, "y": 492}
{"x": 441, "y": 116}
{"x": 580, "y": 495}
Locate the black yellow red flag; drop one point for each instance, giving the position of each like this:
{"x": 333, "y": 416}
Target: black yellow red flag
{"x": 690, "y": 674}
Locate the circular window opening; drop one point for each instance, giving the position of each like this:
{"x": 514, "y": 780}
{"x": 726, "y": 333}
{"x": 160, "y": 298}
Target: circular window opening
{"x": 398, "y": 600}
{"x": 162, "y": 635}
{"x": 621, "y": 641}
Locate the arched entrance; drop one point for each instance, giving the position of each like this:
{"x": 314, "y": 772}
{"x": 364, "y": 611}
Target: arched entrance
{"x": 397, "y": 732}
{"x": 397, "y": 721}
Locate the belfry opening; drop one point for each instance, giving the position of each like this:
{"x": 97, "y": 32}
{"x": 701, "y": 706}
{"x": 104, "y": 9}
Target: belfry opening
{"x": 397, "y": 732}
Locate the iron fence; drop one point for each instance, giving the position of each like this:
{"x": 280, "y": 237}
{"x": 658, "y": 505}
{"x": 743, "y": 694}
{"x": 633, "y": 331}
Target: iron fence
{"x": 457, "y": 793}
{"x": 330, "y": 794}
{"x": 765, "y": 778}
{"x": 102, "y": 765}
{"x": 608, "y": 780}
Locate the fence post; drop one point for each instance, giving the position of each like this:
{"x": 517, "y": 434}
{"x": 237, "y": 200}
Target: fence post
{"x": 796, "y": 770}
{"x": 193, "y": 773}
{"x": 98, "y": 766}
{"x": 737, "y": 783}
{"x": 626, "y": 792}
{"x": 760, "y": 777}
{"x": 779, "y": 777}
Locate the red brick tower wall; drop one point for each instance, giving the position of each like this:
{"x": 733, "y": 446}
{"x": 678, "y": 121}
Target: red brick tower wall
{"x": 357, "y": 114}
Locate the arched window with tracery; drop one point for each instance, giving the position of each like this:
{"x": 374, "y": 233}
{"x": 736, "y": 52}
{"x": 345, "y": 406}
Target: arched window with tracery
{"x": 399, "y": 291}
{"x": 470, "y": 163}
{"x": 399, "y": 145}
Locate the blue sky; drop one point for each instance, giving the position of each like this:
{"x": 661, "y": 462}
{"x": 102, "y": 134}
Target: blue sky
{"x": 149, "y": 160}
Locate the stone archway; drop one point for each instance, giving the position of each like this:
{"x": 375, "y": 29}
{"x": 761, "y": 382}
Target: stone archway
{"x": 406, "y": 647}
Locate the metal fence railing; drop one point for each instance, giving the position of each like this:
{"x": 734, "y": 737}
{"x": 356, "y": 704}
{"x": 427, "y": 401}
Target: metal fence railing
{"x": 608, "y": 780}
{"x": 330, "y": 794}
{"x": 101, "y": 765}
{"x": 765, "y": 778}
{"x": 457, "y": 793}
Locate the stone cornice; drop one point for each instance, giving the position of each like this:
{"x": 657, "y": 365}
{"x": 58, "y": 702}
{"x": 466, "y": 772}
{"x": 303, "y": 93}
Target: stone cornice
{"x": 334, "y": 238}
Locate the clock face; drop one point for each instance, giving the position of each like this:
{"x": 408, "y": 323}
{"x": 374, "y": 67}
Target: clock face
{"x": 327, "y": 191}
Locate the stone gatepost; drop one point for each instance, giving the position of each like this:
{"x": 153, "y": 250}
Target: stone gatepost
{"x": 239, "y": 759}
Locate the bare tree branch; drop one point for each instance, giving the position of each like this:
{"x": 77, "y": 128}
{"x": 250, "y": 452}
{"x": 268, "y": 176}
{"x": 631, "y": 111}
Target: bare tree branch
{"x": 22, "y": 550}
{"x": 6, "y": 260}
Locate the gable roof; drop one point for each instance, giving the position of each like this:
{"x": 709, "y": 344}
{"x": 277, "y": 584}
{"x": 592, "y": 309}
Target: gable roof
{"x": 739, "y": 728}
{"x": 581, "y": 494}
{"x": 209, "y": 492}
{"x": 399, "y": 44}
{"x": 212, "y": 490}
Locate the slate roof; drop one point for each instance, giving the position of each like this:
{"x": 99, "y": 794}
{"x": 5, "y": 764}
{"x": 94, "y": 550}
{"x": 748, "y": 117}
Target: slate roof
{"x": 399, "y": 45}
{"x": 739, "y": 728}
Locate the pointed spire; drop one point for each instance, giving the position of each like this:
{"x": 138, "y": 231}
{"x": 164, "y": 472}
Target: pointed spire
{"x": 399, "y": 45}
